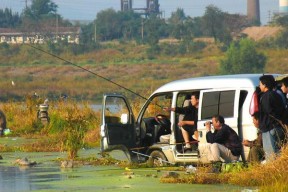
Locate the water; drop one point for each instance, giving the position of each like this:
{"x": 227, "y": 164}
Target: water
{"x": 26, "y": 179}
{"x": 47, "y": 175}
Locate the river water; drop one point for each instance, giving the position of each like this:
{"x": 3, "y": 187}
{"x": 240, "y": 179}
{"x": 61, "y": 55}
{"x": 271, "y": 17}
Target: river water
{"x": 47, "y": 175}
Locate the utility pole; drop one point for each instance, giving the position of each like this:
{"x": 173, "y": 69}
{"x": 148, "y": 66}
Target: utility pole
{"x": 26, "y": 3}
{"x": 56, "y": 27}
{"x": 142, "y": 29}
{"x": 95, "y": 33}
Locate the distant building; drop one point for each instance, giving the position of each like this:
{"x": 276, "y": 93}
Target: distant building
{"x": 15, "y": 36}
{"x": 283, "y": 7}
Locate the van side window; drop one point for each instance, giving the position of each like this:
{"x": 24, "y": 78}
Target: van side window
{"x": 218, "y": 102}
{"x": 115, "y": 109}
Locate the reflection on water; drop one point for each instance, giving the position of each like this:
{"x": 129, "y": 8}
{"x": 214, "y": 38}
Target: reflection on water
{"x": 48, "y": 176}
{"x": 96, "y": 107}
{"x": 26, "y": 179}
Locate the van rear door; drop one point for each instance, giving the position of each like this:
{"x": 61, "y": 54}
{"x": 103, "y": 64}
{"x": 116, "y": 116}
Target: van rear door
{"x": 117, "y": 123}
{"x": 224, "y": 102}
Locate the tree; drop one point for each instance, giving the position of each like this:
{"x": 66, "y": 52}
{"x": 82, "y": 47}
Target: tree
{"x": 281, "y": 40}
{"x": 40, "y": 9}
{"x": 108, "y": 25}
{"x": 41, "y": 16}
{"x": 8, "y": 19}
{"x": 130, "y": 23}
{"x": 176, "y": 22}
{"x": 153, "y": 29}
{"x": 213, "y": 21}
{"x": 242, "y": 58}
{"x": 281, "y": 20}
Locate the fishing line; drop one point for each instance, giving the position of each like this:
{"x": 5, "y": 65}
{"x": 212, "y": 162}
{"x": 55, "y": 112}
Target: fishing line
{"x": 87, "y": 70}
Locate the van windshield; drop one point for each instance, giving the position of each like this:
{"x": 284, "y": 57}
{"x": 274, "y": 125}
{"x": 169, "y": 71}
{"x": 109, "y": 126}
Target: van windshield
{"x": 156, "y": 105}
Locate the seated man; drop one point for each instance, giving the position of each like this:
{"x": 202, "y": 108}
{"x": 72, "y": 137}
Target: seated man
{"x": 188, "y": 124}
{"x": 256, "y": 153}
{"x": 224, "y": 142}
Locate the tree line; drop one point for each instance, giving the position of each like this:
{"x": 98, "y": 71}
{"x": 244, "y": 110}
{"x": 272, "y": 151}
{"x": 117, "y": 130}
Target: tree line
{"x": 110, "y": 24}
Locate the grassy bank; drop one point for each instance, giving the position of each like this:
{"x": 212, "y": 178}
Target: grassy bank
{"x": 126, "y": 64}
{"x": 269, "y": 177}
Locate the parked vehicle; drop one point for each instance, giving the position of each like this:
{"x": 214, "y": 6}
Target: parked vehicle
{"x": 228, "y": 95}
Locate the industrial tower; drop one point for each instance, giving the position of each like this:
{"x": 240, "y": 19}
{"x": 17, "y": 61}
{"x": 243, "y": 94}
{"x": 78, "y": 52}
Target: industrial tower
{"x": 283, "y": 7}
{"x": 253, "y": 10}
{"x": 152, "y": 6}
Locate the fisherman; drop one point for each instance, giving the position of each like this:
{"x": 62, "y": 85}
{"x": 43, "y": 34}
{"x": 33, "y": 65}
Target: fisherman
{"x": 2, "y": 122}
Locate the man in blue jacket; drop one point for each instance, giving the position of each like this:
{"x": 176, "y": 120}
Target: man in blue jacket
{"x": 224, "y": 142}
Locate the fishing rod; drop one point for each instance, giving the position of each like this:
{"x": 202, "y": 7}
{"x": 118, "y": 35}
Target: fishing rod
{"x": 180, "y": 143}
{"x": 160, "y": 159}
{"x": 87, "y": 70}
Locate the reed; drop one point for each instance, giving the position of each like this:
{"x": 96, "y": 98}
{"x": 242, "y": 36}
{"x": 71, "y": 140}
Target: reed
{"x": 72, "y": 125}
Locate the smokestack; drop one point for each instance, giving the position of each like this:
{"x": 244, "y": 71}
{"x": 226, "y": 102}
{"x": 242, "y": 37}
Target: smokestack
{"x": 253, "y": 10}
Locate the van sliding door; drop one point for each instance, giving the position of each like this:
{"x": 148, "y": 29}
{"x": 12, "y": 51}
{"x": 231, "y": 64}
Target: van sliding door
{"x": 222, "y": 102}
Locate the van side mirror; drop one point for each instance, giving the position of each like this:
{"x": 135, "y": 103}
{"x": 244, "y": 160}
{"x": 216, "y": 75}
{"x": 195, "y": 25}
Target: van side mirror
{"x": 124, "y": 118}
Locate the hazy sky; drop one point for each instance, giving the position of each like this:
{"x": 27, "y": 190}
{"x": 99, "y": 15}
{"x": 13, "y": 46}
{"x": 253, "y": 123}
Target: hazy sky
{"x": 87, "y": 9}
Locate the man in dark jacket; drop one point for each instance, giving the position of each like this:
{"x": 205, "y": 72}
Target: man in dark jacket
{"x": 188, "y": 124}
{"x": 224, "y": 142}
{"x": 271, "y": 109}
{"x": 2, "y": 122}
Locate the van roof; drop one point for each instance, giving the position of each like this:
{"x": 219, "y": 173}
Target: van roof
{"x": 209, "y": 82}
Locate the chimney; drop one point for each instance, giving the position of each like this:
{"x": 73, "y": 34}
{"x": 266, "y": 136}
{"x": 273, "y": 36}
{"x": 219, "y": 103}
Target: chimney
{"x": 253, "y": 10}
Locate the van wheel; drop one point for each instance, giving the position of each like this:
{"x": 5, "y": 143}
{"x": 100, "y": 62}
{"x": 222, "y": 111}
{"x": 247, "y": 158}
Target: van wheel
{"x": 157, "y": 159}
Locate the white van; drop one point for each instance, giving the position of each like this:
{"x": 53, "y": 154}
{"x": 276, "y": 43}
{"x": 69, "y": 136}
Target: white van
{"x": 228, "y": 95}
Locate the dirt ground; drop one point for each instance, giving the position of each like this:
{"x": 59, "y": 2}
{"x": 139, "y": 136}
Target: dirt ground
{"x": 259, "y": 33}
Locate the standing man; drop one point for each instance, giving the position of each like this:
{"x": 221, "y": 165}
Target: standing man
{"x": 271, "y": 108}
{"x": 224, "y": 142}
{"x": 2, "y": 122}
{"x": 284, "y": 88}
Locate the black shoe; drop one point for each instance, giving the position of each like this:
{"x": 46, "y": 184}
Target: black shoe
{"x": 187, "y": 149}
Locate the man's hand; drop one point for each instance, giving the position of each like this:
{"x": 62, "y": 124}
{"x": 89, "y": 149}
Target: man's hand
{"x": 208, "y": 126}
{"x": 247, "y": 143}
{"x": 181, "y": 123}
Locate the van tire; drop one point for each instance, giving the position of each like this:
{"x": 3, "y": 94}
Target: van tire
{"x": 155, "y": 159}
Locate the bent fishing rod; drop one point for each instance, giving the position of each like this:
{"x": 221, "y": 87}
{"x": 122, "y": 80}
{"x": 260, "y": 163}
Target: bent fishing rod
{"x": 87, "y": 70}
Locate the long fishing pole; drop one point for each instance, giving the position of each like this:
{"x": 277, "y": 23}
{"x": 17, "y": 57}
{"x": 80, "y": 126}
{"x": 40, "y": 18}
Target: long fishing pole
{"x": 87, "y": 70}
{"x": 158, "y": 158}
